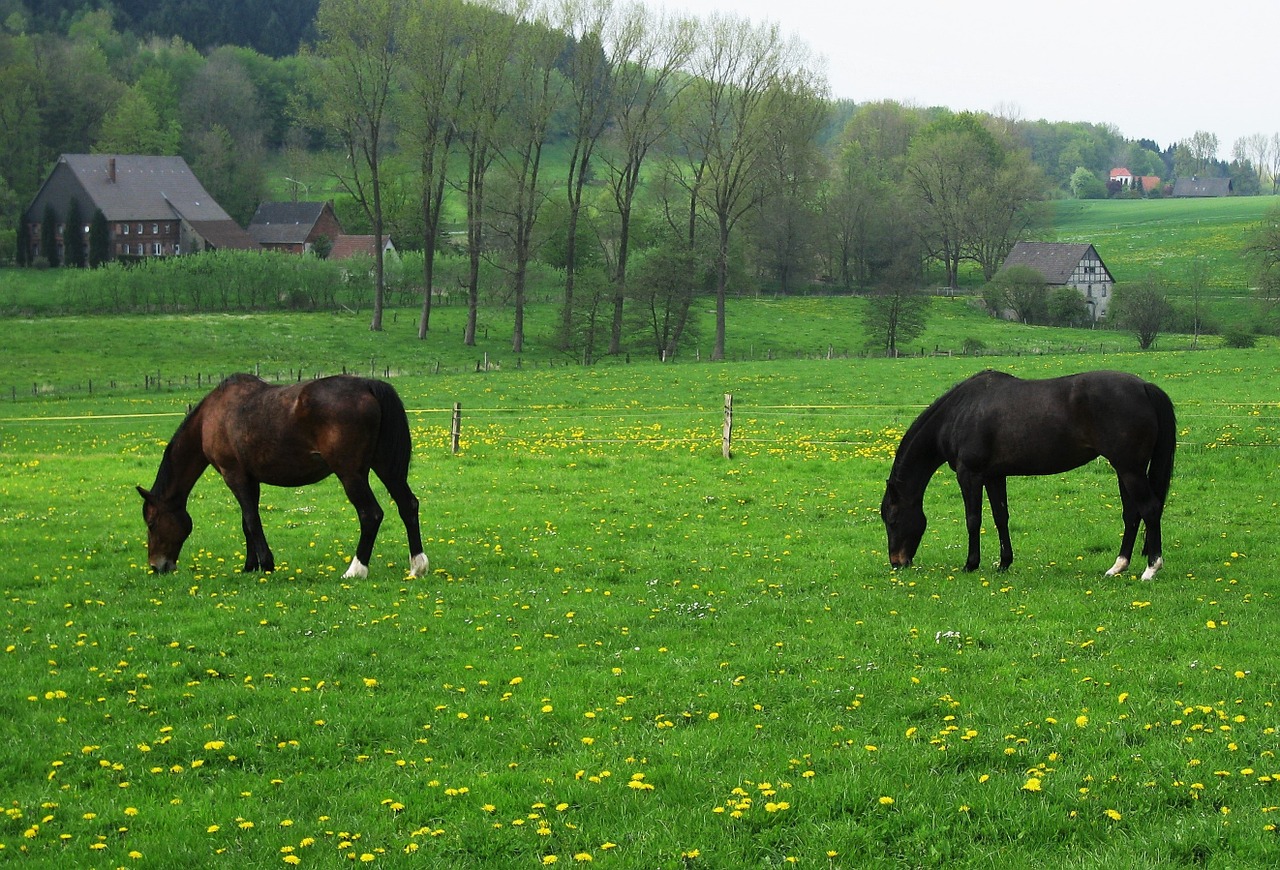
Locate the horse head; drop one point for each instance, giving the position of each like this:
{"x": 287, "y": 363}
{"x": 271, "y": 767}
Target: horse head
{"x": 167, "y": 530}
{"x": 904, "y": 521}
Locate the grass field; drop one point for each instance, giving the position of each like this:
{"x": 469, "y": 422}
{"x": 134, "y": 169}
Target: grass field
{"x": 631, "y": 652}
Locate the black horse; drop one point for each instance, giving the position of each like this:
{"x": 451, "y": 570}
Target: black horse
{"x": 995, "y": 425}
{"x": 255, "y": 433}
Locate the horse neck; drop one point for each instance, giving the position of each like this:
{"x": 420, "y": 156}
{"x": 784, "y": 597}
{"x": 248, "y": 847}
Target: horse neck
{"x": 918, "y": 457}
{"x": 183, "y": 461}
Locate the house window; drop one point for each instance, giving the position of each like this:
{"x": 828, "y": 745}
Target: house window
{"x": 177, "y": 249}
{"x": 139, "y": 229}
{"x": 155, "y": 229}
{"x": 156, "y": 249}
{"x": 126, "y": 229}
{"x": 126, "y": 249}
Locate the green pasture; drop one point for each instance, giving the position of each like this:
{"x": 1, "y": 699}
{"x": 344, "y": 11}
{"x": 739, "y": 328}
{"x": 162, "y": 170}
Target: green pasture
{"x": 631, "y": 652}
{"x": 68, "y": 358}
{"x": 1137, "y": 237}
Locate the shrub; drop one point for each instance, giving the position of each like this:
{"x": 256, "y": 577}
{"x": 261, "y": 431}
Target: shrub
{"x": 1239, "y": 337}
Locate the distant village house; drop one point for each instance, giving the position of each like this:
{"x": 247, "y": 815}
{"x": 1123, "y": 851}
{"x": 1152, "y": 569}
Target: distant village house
{"x": 1068, "y": 265}
{"x": 154, "y": 206}
{"x": 1202, "y": 187}
{"x": 294, "y": 227}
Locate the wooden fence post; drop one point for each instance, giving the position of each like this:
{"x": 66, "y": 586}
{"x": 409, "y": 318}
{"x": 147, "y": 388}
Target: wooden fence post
{"x": 456, "y": 428}
{"x": 728, "y": 427}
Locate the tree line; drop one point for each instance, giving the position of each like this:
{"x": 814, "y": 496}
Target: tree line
{"x": 653, "y": 159}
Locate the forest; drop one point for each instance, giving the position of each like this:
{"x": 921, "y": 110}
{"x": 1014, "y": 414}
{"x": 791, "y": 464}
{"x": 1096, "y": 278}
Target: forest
{"x": 647, "y": 158}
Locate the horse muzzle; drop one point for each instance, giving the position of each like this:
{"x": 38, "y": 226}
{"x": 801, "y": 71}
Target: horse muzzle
{"x": 164, "y": 566}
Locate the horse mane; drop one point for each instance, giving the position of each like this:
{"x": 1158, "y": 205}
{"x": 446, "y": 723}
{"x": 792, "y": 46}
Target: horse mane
{"x": 928, "y": 417}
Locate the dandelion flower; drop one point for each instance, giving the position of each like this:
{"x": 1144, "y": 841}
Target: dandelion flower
{"x": 1032, "y": 784}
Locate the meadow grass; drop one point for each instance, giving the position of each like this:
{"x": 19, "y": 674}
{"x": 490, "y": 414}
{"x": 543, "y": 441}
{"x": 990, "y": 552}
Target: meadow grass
{"x": 633, "y": 653}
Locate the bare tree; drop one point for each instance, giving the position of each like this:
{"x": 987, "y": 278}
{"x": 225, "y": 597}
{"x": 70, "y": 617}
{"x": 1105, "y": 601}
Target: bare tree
{"x": 537, "y": 91}
{"x": 589, "y": 73}
{"x": 354, "y": 80}
{"x": 433, "y": 75}
{"x": 649, "y": 51}
{"x": 738, "y": 69}
{"x": 490, "y": 37}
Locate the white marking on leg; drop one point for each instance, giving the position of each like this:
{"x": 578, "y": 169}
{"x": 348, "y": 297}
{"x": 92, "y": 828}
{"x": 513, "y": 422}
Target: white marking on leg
{"x": 1155, "y": 566}
{"x": 357, "y": 570}
{"x": 1118, "y": 567}
{"x": 419, "y": 565}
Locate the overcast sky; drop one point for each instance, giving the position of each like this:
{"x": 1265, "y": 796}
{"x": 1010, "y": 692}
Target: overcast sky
{"x": 1154, "y": 70}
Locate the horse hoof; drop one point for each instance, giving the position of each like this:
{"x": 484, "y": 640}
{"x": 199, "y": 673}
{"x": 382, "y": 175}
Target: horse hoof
{"x": 1155, "y": 566}
{"x": 1118, "y": 568}
{"x": 419, "y": 565}
{"x": 357, "y": 571}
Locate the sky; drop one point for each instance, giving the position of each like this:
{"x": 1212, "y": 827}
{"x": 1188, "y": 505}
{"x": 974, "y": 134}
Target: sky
{"x": 1154, "y": 70}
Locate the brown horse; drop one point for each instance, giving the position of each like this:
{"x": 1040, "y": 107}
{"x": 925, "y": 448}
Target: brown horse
{"x": 993, "y": 426}
{"x": 255, "y": 433}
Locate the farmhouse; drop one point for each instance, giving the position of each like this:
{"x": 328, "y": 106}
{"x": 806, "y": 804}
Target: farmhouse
{"x": 345, "y": 247}
{"x": 154, "y": 206}
{"x": 1195, "y": 186}
{"x": 294, "y": 227}
{"x": 1068, "y": 265}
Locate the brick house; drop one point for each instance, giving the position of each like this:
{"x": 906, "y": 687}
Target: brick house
{"x": 154, "y": 206}
{"x": 294, "y": 227}
{"x": 1068, "y": 265}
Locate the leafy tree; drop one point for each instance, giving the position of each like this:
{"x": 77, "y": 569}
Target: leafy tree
{"x": 133, "y": 126}
{"x": 1067, "y": 307}
{"x": 894, "y": 315}
{"x": 99, "y": 239}
{"x": 1143, "y": 308}
{"x": 1264, "y": 250}
{"x": 663, "y": 285}
{"x": 1020, "y": 290}
{"x": 1085, "y": 184}
{"x": 73, "y": 235}
{"x": 948, "y": 166}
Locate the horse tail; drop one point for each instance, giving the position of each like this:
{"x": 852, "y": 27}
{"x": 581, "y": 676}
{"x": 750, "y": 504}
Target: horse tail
{"x": 1160, "y": 471}
{"x": 395, "y": 445}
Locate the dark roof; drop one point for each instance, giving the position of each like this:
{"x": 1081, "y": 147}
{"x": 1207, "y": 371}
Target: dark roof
{"x": 225, "y": 235}
{"x": 1054, "y": 260}
{"x": 285, "y": 223}
{"x": 132, "y": 187}
{"x": 1202, "y": 186}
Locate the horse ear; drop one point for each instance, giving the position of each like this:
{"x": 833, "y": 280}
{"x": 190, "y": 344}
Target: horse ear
{"x": 146, "y": 496}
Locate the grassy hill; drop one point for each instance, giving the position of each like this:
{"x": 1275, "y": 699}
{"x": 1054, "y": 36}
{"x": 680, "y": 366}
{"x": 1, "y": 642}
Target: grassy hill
{"x": 1167, "y": 235}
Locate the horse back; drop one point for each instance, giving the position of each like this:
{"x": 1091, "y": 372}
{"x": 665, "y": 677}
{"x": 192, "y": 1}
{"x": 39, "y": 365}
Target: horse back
{"x": 295, "y": 434}
{"x": 1003, "y": 425}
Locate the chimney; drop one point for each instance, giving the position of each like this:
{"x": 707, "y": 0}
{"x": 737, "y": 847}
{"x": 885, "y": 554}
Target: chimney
{"x": 111, "y": 170}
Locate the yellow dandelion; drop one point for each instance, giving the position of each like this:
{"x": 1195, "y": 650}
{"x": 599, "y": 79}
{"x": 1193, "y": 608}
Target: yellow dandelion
{"x": 1114, "y": 815}
{"x": 1032, "y": 784}
{"x": 886, "y": 801}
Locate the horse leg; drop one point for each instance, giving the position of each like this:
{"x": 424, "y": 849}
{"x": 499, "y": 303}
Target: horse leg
{"x": 407, "y": 505}
{"x": 1142, "y": 503}
{"x": 998, "y": 495}
{"x": 257, "y": 554}
{"x": 1139, "y": 505}
{"x": 370, "y": 515}
{"x": 971, "y": 491}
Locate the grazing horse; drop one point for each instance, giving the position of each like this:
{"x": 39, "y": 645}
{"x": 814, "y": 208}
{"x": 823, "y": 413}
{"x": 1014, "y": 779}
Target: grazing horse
{"x": 994, "y": 425}
{"x": 255, "y": 433}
